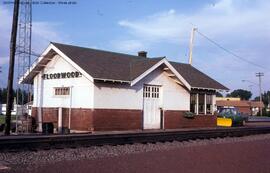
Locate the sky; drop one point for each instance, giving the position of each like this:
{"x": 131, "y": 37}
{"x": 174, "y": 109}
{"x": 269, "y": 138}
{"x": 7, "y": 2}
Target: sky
{"x": 162, "y": 28}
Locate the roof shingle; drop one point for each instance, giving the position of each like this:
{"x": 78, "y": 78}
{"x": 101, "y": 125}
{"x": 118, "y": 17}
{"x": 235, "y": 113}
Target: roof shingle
{"x": 117, "y": 66}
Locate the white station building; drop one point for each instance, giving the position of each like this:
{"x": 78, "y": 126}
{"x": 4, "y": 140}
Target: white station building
{"x": 85, "y": 89}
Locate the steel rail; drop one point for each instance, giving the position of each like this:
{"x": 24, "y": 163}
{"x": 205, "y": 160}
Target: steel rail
{"x": 40, "y": 142}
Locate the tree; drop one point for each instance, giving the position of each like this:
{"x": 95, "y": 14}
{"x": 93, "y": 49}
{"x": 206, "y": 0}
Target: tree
{"x": 218, "y": 94}
{"x": 3, "y": 96}
{"x": 242, "y": 94}
{"x": 265, "y": 98}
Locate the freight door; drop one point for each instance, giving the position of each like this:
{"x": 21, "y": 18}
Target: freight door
{"x": 151, "y": 111}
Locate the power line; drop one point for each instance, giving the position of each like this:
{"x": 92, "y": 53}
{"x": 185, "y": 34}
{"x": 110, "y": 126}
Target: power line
{"x": 230, "y": 52}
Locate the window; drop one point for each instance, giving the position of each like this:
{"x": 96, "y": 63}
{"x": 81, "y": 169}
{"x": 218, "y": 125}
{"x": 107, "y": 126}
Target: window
{"x": 59, "y": 91}
{"x": 209, "y": 104}
{"x": 205, "y": 101}
{"x": 201, "y": 103}
{"x": 193, "y": 98}
{"x": 151, "y": 91}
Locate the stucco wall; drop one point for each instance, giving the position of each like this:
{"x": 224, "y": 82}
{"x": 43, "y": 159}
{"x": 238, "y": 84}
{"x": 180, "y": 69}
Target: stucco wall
{"x": 122, "y": 96}
{"x": 101, "y": 95}
{"x": 82, "y": 88}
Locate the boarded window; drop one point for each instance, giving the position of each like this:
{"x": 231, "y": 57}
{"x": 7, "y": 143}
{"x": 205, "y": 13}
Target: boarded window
{"x": 58, "y": 91}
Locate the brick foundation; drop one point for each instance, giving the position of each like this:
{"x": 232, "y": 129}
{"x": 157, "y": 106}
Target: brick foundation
{"x": 176, "y": 120}
{"x": 81, "y": 119}
{"x": 117, "y": 119}
{"x": 97, "y": 119}
{"x": 120, "y": 119}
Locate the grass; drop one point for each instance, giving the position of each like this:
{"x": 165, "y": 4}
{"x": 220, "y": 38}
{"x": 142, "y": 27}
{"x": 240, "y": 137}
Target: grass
{"x": 2, "y": 118}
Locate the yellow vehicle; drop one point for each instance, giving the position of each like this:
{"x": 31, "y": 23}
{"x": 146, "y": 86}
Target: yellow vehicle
{"x": 225, "y": 122}
{"x": 229, "y": 117}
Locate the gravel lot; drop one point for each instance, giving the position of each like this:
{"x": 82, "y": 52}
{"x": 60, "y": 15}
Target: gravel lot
{"x": 30, "y": 161}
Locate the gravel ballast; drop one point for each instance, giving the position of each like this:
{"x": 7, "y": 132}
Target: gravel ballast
{"x": 14, "y": 161}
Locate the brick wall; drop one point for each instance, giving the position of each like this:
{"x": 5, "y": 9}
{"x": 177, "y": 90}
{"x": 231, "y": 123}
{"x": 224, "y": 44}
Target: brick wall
{"x": 176, "y": 120}
{"x": 117, "y": 119}
{"x": 245, "y": 110}
{"x": 81, "y": 119}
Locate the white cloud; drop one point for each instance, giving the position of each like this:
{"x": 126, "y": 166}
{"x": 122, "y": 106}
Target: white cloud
{"x": 241, "y": 26}
{"x": 128, "y": 45}
{"x": 155, "y": 27}
{"x": 43, "y": 32}
{"x": 223, "y": 18}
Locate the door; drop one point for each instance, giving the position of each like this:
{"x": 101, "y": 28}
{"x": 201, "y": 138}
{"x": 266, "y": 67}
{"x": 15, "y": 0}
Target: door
{"x": 151, "y": 111}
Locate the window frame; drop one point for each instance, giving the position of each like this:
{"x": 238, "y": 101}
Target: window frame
{"x": 61, "y": 91}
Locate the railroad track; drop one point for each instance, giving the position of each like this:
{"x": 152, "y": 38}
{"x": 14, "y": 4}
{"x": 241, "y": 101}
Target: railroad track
{"x": 41, "y": 142}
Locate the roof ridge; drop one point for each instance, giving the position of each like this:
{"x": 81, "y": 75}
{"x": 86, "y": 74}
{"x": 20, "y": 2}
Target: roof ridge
{"x": 179, "y": 63}
{"x": 100, "y": 50}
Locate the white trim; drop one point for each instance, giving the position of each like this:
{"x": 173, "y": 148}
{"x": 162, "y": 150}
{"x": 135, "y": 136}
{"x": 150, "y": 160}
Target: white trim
{"x": 210, "y": 89}
{"x": 60, "y": 53}
{"x": 146, "y": 72}
{"x": 177, "y": 74}
{"x": 197, "y": 104}
{"x": 111, "y": 80}
{"x": 163, "y": 61}
{"x": 35, "y": 63}
{"x": 205, "y": 105}
{"x": 213, "y": 104}
{"x": 72, "y": 63}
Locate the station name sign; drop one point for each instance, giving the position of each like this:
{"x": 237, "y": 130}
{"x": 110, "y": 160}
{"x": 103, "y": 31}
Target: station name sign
{"x": 62, "y": 75}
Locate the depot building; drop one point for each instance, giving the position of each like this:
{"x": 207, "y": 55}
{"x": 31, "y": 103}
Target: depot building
{"x": 85, "y": 89}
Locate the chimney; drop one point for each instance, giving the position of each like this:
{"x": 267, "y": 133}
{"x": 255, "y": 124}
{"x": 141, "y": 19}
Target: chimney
{"x": 142, "y": 54}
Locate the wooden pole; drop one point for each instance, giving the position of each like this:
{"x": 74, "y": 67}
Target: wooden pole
{"x": 11, "y": 65}
{"x": 260, "y": 89}
{"x": 191, "y": 45}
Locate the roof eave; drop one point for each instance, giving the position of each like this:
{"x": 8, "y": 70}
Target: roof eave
{"x": 51, "y": 47}
{"x": 162, "y": 61}
{"x": 207, "y": 88}
{"x": 33, "y": 69}
{"x": 112, "y": 80}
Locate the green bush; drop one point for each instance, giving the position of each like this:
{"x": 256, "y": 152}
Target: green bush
{"x": 3, "y": 117}
{"x": 264, "y": 113}
{"x": 189, "y": 115}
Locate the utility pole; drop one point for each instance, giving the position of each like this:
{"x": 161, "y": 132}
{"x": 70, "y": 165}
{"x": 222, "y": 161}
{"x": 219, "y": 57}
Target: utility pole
{"x": 191, "y": 45}
{"x": 260, "y": 87}
{"x": 11, "y": 65}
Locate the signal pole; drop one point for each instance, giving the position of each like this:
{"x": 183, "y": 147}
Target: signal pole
{"x": 191, "y": 45}
{"x": 11, "y": 65}
{"x": 260, "y": 87}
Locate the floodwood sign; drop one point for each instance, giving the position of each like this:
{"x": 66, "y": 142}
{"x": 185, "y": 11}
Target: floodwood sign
{"x": 62, "y": 75}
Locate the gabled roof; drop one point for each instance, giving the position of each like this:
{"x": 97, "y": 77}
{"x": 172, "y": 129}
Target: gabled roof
{"x": 196, "y": 78}
{"x": 105, "y": 65}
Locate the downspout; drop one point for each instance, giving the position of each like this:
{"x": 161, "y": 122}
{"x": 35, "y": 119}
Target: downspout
{"x": 40, "y": 101}
{"x": 69, "y": 112}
